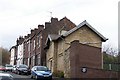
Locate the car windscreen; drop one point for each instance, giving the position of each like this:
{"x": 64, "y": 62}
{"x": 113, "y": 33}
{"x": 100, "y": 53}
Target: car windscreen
{"x": 42, "y": 68}
{"x": 23, "y": 66}
{"x": 9, "y": 66}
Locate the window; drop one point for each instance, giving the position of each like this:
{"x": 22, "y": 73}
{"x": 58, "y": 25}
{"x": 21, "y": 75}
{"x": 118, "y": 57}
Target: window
{"x": 34, "y": 44}
{"x": 38, "y": 40}
{"x": 42, "y": 68}
{"x": 30, "y": 61}
{"x": 33, "y": 60}
{"x": 28, "y": 43}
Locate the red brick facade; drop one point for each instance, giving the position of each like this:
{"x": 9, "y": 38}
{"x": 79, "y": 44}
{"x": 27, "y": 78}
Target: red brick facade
{"x": 34, "y": 42}
{"x": 84, "y": 56}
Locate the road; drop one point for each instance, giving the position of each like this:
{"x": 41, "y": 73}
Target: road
{"x": 24, "y": 77}
{"x": 19, "y": 77}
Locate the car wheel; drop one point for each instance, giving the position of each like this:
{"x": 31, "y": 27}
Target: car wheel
{"x": 19, "y": 73}
{"x": 36, "y": 77}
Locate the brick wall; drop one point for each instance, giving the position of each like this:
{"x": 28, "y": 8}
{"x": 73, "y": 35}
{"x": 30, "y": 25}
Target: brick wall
{"x": 53, "y": 27}
{"x": 82, "y": 55}
{"x": 97, "y": 73}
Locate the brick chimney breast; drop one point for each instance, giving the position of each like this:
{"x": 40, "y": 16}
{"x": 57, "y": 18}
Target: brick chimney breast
{"x": 25, "y": 37}
{"x": 32, "y": 31}
{"x": 54, "y": 20}
{"x": 28, "y": 35}
{"x": 35, "y": 30}
{"x": 47, "y": 24}
{"x": 40, "y": 27}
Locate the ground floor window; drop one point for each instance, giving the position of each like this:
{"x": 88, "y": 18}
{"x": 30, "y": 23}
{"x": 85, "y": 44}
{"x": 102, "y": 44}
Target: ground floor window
{"x": 33, "y": 60}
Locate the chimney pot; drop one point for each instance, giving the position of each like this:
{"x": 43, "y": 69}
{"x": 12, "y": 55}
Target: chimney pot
{"x": 40, "y": 27}
{"x": 54, "y": 20}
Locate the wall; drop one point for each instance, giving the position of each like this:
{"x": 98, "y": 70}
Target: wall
{"x": 20, "y": 54}
{"x": 90, "y": 57}
{"x": 0, "y": 56}
{"x": 12, "y": 56}
{"x": 54, "y": 27}
{"x": 67, "y": 68}
{"x": 50, "y": 56}
{"x": 97, "y": 73}
{"x": 83, "y": 35}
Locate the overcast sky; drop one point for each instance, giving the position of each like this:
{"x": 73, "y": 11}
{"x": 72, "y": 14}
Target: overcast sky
{"x": 17, "y": 17}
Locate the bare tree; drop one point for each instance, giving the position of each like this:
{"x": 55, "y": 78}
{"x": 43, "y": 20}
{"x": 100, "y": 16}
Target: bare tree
{"x": 110, "y": 50}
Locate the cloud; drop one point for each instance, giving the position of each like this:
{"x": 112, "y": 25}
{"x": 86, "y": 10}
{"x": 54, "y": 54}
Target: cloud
{"x": 18, "y": 16}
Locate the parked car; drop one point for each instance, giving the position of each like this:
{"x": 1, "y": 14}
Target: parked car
{"x": 2, "y": 68}
{"x": 41, "y": 72}
{"x": 6, "y": 76}
{"x": 8, "y": 67}
{"x": 22, "y": 69}
{"x": 14, "y": 70}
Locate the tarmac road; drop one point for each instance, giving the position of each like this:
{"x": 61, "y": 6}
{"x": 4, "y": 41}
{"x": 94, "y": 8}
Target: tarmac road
{"x": 19, "y": 77}
{"x": 24, "y": 77}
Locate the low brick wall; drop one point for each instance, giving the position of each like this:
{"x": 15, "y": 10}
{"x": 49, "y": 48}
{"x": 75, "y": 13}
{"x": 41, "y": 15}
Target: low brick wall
{"x": 97, "y": 73}
{"x": 82, "y": 55}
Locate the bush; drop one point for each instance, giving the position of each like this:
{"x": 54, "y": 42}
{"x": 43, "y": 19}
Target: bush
{"x": 59, "y": 74}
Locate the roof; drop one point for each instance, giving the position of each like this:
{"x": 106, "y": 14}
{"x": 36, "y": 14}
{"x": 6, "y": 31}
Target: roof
{"x": 67, "y": 23}
{"x": 53, "y": 37}
{"x": 88, "y": 25}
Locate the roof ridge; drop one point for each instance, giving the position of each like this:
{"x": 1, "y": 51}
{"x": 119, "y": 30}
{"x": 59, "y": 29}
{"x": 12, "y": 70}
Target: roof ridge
{"x": 80, "y": 25}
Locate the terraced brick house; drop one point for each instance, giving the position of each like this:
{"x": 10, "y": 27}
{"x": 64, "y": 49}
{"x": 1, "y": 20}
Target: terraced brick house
{"x": 13, "y": 55}
{"x": 26, "y": 56}
{"x": 34, "y": 43}
{"x": 20, "y": 49}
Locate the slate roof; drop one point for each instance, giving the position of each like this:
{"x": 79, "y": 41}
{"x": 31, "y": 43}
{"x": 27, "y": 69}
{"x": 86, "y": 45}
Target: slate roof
{"x": 53, "y": 37}
{"x": 88, "y": 25}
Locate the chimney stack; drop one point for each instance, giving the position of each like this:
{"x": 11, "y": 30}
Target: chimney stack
{"x": 54, "y": 20}
{"x": 40, "y": 27}
{"x": 47, "y": 24}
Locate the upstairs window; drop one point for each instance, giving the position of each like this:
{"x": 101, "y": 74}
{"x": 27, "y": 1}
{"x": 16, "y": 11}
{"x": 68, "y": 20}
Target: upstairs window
{"x": 34, "y": 44}
{"x": 38, "y": 40}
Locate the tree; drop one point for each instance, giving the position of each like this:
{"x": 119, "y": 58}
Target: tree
{"x": 110, "y": 54}
{"x": 4, "y": 56}
{"x": 110, "y": 50}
